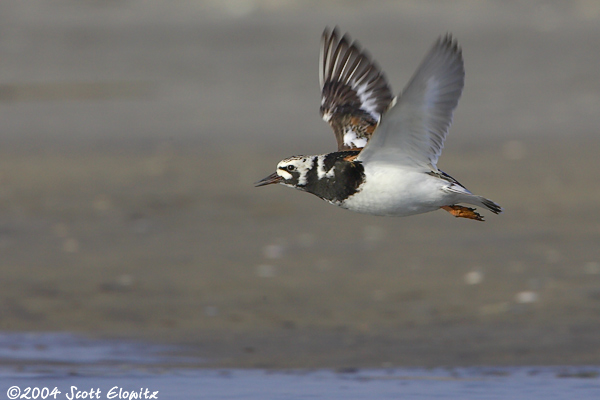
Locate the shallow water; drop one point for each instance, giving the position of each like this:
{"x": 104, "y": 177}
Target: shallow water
{"x": 67, "y": 348}
{"x": 477, "y": 383}
{"x": 79, "y": 367}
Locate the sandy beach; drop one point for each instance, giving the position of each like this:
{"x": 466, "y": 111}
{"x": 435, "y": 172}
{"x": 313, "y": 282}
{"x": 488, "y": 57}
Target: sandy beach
{"x": 131, "y": 135}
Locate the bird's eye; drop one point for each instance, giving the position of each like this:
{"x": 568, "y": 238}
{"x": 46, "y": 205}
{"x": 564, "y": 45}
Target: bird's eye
{"x": 291, "y": 167}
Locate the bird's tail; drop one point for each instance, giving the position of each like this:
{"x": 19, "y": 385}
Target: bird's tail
{"x": 489, "y": 204}
{"x": 465, "y": 196}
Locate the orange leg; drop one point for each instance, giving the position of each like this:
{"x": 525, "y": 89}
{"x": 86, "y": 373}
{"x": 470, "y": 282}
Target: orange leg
{"x": 463, "y": 212}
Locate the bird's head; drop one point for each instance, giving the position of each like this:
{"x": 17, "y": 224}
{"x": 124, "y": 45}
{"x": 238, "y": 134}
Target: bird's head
{"x": 292, "y": 172}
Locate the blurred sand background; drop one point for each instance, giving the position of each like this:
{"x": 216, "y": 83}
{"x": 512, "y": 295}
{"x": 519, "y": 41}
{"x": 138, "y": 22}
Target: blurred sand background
{"x": 131, "y": 134}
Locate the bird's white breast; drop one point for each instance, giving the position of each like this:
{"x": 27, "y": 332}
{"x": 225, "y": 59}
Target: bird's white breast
{"x": 394, "y": 190}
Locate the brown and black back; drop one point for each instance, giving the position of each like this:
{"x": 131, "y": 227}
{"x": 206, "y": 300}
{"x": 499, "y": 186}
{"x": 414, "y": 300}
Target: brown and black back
{"x": 354, "y": 91}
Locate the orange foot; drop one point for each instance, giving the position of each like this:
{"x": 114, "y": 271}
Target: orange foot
{"x": 463, "y": 212}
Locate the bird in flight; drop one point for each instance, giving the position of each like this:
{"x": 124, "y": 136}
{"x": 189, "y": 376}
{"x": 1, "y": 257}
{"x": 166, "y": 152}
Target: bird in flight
{"x": 388, "y": 148}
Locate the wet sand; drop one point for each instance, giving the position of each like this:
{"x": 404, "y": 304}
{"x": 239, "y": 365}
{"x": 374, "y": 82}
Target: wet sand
{"x": 152, "y": 247}
{"x": 134, "y": 214}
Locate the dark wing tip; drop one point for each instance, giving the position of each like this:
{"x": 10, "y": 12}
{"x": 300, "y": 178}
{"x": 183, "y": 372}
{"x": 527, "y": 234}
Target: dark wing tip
{"x": 343, "y": 59}
{"x": 450, "y": 45}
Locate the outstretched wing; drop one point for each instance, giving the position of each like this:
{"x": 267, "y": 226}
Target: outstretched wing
{"x": 354, "y": 91}
{"x": 413, "y": 131}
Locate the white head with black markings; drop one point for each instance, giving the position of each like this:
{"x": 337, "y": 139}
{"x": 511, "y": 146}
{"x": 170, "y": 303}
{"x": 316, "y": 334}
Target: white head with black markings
{"x": 292, "y": 171}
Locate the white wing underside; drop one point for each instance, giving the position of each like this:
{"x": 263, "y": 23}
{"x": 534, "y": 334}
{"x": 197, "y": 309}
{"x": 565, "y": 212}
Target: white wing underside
{"x": 413, "y": 130}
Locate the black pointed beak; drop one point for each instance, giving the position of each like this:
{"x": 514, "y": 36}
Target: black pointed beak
{"x": 273, "y": 178}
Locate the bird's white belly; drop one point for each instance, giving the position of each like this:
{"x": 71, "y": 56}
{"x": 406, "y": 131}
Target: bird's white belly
{"x": 396, "y": 191}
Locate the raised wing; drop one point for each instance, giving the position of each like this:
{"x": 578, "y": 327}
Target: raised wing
{"x": 414, "y": 129}
{"x": 354, "y": 92}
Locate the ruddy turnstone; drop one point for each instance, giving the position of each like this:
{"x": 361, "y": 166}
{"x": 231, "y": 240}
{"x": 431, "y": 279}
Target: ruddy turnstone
{"x": 388, "y": 147}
